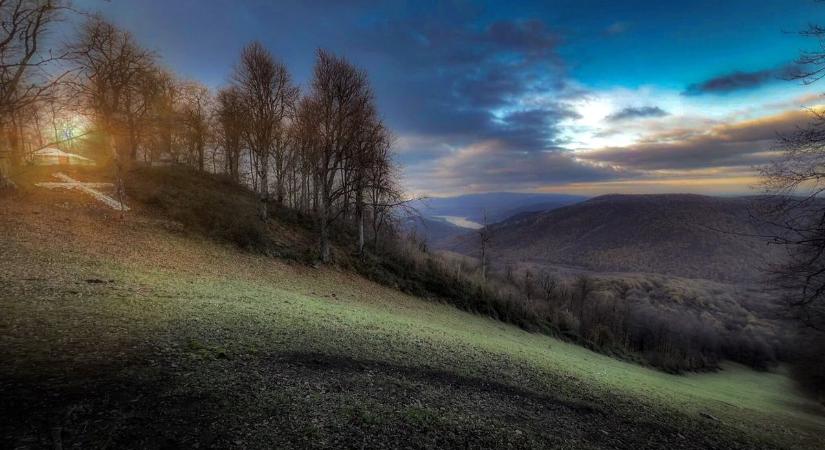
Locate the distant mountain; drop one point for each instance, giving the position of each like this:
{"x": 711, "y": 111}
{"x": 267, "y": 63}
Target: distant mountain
{"x": 436, "y": 232}
{"x": 497, "y": 205}
{"x": 676, "y": 234}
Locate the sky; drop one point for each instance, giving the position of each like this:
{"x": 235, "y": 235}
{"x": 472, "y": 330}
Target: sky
{"x": 587, "y": 97}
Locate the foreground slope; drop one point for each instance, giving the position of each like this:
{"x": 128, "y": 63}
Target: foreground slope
{"x": 126, "y": 334}
{"x": 684, "y": 235}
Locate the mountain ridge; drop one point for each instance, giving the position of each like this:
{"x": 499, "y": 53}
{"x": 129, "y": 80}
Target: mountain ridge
{"x": 688, "y": 235}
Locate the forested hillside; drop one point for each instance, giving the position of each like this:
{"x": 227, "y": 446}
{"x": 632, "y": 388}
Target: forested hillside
{"x": 693, "y": 236}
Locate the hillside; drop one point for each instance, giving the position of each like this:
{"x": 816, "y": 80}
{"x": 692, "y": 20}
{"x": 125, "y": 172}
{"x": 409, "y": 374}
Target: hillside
{"x": 689, "y": 236}
{"x": 437, "y": 232}
{"x": 497, "y": 205}
{"x": 146, "y": 335}
{"x": 434, "y": 225}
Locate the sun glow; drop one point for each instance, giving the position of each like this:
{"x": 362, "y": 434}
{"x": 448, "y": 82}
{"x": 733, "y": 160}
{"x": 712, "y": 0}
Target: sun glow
{"x": 588, "y": 130}
{"x": 593, "y": 111}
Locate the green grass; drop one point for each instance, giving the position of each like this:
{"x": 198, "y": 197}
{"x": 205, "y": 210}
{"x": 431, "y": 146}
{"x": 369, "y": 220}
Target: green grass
{"x": 411, "y": 332}
{"x": 186, "y": 304}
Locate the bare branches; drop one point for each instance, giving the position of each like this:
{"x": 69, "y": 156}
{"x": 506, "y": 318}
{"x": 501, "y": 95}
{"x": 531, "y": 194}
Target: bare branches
{"x": 23, "y": 24}
{"x": 196, "y": 107}
{"x": 230, "y": 115}
{"x": 112, "y": 75}
{"x": 341, "y": 110}
{"x": 328, "y": 152}
{"x": 269, "y": 98}
{"x": 811, "y": 63}
{"x": 24, "y": 79}
{"x": 797, "y": 179}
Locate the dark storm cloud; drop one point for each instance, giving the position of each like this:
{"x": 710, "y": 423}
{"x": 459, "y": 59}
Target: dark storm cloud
{"x": 466, "y": 81}
{"x": 531, "y": 38}
{"x": 741, "y": 144}
{"x": 741, "y": 80}
{"x": 637, "y": 113}
{"x": 534, "y": 129}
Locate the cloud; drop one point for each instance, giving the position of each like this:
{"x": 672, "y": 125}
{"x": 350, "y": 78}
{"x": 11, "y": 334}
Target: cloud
{"x": 740, "y": 80}
{"x": 465, "y": 81}
{"x": 636, "y": 113}
{"x": 491, "y": 165}
{"x": 531, "y": 37}
{"x": 532, "y": 129}
{"x": 742, "y": 144}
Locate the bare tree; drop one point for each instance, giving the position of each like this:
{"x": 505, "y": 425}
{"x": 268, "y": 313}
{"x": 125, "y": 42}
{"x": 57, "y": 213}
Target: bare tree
{"x": 165, "y": 117}
{"x": 528, "y": 284}
{"x": 230, "y": 120}
{"x": 384, "y": 195}
{"x": 23, "y": 78}
{"x": 798, "y": 213}
{"x": 196, "y": 106}
{"x": 111, "y": 70}
{"x": 797, "y": 179}
{"x": 339, "y": 103}
{"x": 369, "y": 148}
{"x": 549, "y": 284}
{"x": 484, "y": 238}
{"x": 306, "y": 142}
{"x": 269, "y": 96}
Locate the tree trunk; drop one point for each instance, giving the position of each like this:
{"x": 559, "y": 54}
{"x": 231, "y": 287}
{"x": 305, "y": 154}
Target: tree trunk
{"x": 200, "y": 156}
{"x": 133, "y": 140}
{"x": 252, "y": 173}
{"x": 279, "y": 173}
{"x": 264, "y": 196}
{"x": 234, "y": 160}
{"x": 359, "y": 219}
{"x": 16, "y": 143}
{"x": 120, "y": 188}
{"x": 280, "y": 192}
{"x": 323, "y": 216}
{"x": 133, "y": 149}
{"x": 5, "y": 157}
{"x": 483, "y": 265}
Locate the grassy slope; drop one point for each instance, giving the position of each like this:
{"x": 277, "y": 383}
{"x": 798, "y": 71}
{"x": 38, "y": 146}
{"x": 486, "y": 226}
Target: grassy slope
{"x": 193, "y": 342}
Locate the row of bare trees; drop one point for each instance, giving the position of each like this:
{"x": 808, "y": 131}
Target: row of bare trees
{"x": 324, "y": 151}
